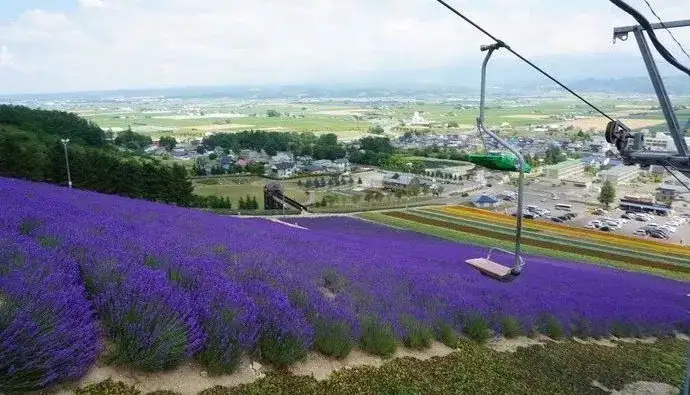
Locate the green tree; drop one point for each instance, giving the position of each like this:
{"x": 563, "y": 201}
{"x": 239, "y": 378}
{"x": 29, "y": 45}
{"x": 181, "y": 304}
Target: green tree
{"x": 132, "y": 140}
{"x": 200, "y": 150}
{"x": 359, "y": 180}
{"x": 272, "y": 113}
{"x": 607, "y": 194}
{"x": 376, "y": 129}
{"x": 167, "y": 142}
{"x": 242, "y": 204}
{"x": 213, "y": 156}
{"x": 453, "y": 124}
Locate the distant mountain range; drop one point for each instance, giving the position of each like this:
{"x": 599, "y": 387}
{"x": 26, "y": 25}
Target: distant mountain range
{"x": 507, "y": 76}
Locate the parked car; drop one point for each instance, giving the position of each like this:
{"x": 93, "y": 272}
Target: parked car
{"x": 640, "y": 232}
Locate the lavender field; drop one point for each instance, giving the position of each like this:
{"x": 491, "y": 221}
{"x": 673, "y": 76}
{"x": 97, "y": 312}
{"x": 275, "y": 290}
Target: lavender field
{"x": 148, "y": 286}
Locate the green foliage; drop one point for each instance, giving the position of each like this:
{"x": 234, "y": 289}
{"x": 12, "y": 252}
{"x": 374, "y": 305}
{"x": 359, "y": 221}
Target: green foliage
{"x": 607, "y": 194}
{"x": 453, "y": 124}
{"x": 551, "y": 327}
{"x": 281, "y": 351}
{"x": 555, "y": 368}
{"x": 53, "y": 124}
{"x": 333, "y": 339}
{"x": 28, "y": 226}
{"x": 132, "y": 140}
{"x": 419, "y": 335}
{"x": 108, "y": 387}
{"x": 334, "y": 281}
{"x": 448, "y": 336}
{"x": 325, "y": 146}
{"x": 272, "y": 113}
{"x": 554, "y": 155}
{"x": 376, "y": 129}
{"x": 510, "y": 327}
{"x": 167, "y": 142}
{"x": 377, "y": 337}
{"x": 48, "y": 241}
{"x": 476, "y": 327}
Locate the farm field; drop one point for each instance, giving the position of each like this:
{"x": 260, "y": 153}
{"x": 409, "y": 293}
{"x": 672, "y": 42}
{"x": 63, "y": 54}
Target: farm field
{"x": 608, "y": 249}
{"x": 92, "y": 278}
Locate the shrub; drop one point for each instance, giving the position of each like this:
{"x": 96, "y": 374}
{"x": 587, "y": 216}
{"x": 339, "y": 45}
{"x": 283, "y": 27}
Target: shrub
{"x": 279, "y": 349}
{"x": 151, "y": 324}
{"x": 582, "y": 328}
{"x": 476, "y": 328}
{"x": 334, "y": 281}
{"x": 285, "y": 334}
{"x": 378, "y": 338}
{"x": 448, "y": 335}
{"x": 551, "y": 327}
{"x": 418, "y": 335}
{"x": 333, "y": 338}
{"x": 47, "y": 330}
{"x": 510, "y": 327}
{"x": 27, "y": 226}
{"x": 230, "y": 321}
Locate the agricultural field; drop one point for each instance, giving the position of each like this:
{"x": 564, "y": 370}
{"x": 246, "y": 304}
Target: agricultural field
{"x": 350, "y": 121}
{"x": 553, "y": 239}
{"x": 92, "y": 280}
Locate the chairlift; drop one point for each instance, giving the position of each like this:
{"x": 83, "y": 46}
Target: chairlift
{"x": 513, "y": 161}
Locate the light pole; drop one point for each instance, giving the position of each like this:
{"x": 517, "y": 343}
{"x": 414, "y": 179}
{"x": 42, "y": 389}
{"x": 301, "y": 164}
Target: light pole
{"x": 69, "y": 176}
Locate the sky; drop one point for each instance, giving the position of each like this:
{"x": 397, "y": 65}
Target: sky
{"x": 78, "y": 45}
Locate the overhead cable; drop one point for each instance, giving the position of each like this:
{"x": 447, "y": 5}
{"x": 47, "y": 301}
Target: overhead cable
{"x": 652, "y": 36}
{"x": 670, "y": 33}
{"x": 458, "y": 13}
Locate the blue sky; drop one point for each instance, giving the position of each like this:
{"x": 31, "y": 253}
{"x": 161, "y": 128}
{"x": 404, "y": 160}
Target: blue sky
{"x": 10, "y": 9}
{"x": 70, "y": 45}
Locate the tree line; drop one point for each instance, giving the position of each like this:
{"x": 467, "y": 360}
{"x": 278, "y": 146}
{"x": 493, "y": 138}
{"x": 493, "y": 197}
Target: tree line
{"x": 30, "y": 148}
{"x": 325, "y": 146}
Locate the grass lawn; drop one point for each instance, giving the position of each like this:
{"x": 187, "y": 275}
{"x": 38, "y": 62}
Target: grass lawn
{"x": 238, "y": 187}
{"x": 556, "y": 368}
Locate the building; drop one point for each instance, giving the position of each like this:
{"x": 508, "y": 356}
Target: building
{"x": 485, "y": 201}
{"x": 629, "y": 203}
{"x": 342, "y": 165}
{"x": 671, "y": 188}
{"x": 283, "y": 169}
{"x": 399, "y": 181}
{"x": 621, "y": 174}
{"x": 565, "y": 170}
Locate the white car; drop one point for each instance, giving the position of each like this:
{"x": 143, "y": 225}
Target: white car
{"x": 590, "y": 226}
{"x": 670, "y": 228}
{"x": 640, "y": 232}
{"x": 652, "y": 225}
{"x": 593, "y": 224}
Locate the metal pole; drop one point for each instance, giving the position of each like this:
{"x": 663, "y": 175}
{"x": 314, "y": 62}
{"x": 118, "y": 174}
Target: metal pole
{"x": 517, "y": 268}
{"x": 662, "y": 95}
{"x": 69, "y": 175}
{"x": 518, "y": 263}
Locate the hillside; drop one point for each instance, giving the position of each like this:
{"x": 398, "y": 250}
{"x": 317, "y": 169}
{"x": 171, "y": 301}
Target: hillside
{"x": 30, "y": 148}
{"x": 168, "y": 284}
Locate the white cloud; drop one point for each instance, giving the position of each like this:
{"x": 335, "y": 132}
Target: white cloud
{"x": 91, "y": 3}
{"x": 6, "y": 57}
{"x": 135, "y": 43}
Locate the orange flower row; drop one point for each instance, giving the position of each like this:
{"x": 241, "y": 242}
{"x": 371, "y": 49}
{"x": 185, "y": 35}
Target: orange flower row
{"x": 641, "y": 244}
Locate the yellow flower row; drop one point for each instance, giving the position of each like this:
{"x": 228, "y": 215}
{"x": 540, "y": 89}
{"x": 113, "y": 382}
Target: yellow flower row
{"x": 642, "y": 244}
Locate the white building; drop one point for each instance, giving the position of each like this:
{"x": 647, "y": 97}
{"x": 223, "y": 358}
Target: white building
{"x": 621, "y": 174}
{"x": 417, "y": 119}
{"x": 573, "y": 168}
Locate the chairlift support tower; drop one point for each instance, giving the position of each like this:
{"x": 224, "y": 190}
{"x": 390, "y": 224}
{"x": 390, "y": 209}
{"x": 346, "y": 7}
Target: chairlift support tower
{"x": 619, "y": 134}
{"x": 631, "y": 146}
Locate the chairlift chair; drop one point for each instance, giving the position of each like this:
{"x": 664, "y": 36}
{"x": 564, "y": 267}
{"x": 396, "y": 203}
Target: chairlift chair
{"x": 513, "y": 161}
